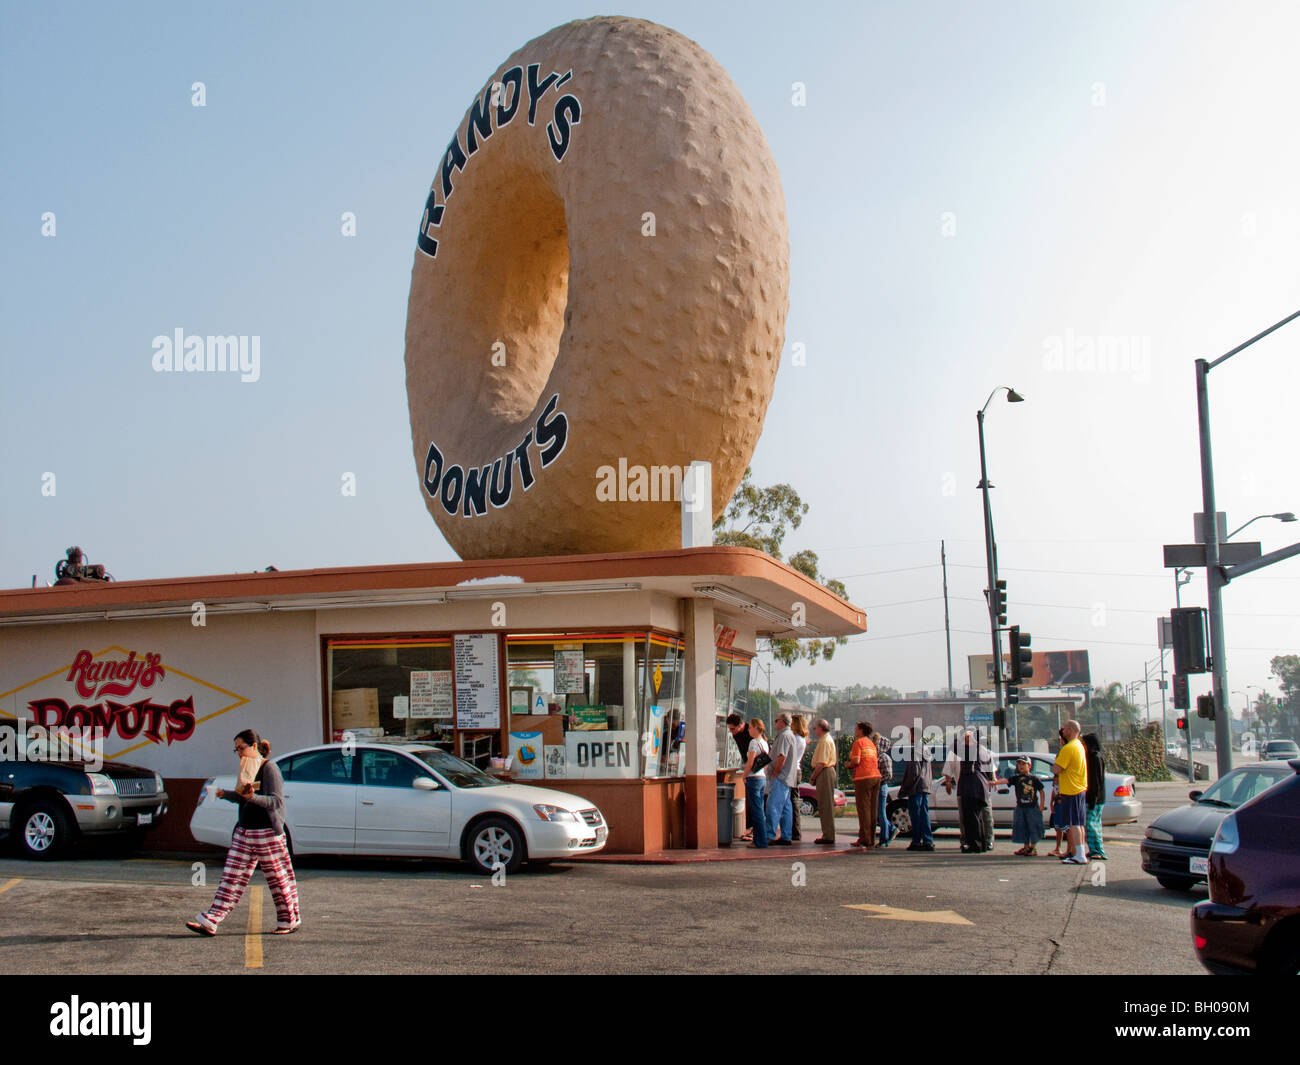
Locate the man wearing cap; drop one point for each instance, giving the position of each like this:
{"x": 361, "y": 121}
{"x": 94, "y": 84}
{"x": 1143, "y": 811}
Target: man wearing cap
{"x": 1071, "y": 771}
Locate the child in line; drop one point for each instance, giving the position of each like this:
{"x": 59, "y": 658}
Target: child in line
{"x": 1027, "y": 827}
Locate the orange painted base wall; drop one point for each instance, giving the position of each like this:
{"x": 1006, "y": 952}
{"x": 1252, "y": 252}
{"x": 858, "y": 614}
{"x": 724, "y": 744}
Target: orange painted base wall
{"x": 643, "y": 815}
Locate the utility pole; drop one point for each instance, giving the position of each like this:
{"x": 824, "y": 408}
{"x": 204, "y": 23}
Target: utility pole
{"x": 947, "y": 631}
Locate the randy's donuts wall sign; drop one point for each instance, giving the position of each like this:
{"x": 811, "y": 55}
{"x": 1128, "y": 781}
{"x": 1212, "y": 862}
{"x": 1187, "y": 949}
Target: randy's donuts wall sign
{"x": 600, "y": 283}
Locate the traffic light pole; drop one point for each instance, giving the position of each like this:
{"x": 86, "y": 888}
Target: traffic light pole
{"x": 1214, "y": 582}
{"x": 1215, "y": 576}
{"x": 989, "y": 549}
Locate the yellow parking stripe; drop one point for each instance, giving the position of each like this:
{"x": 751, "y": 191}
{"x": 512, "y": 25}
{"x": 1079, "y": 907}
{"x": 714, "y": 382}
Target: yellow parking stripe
{"x": 8, "y": 884}
{"x": 253, "y": 937}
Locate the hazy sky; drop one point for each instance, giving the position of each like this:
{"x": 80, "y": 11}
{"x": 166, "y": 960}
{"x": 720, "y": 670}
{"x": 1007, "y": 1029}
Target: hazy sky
{"x": 978, "y": 195}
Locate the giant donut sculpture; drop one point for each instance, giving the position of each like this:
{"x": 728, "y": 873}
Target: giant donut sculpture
{"x": 599, "y": 295}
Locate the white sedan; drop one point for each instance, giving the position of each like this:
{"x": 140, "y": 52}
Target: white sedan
{"x": 412, "y": 800}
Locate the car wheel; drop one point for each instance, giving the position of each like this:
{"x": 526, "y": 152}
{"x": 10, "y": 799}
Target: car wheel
{"x": 42, "y": 831}
{"x": 493, "y": 843}
{"x": 1176, "y": 883}
{"x": 808, "y": 807}
{"x": 900, "y": 817}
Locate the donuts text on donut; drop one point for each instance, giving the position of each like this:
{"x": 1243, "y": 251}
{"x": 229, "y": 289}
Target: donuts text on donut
{"x": 492, "y": 484}
{"x": 566, "y": 113}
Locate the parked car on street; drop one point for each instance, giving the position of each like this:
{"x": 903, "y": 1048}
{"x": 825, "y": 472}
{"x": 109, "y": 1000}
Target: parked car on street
{"x": 1251, "y": 921}
{"x": 47, "y": 806}
{"x": 1284, "y": 750}
{"x": 1122, "y": 804}
{"x": 1176, "y": 849}
{"x": 808, "y": 799}
{"x": 412, "y": 800}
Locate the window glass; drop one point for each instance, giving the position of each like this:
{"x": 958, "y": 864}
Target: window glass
{"x": 665, "y": 700}
{"x": 454, "y": 770}
{"x": 391, "y": 686}
{"x": 328, "y": 766}
{"x": 388, "y": 769}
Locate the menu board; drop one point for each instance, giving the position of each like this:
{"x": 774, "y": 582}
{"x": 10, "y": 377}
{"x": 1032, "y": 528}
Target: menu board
{"x": 478, "y": 681}
{"x": 431, "y": 694}
{"x": 570, "y": 672}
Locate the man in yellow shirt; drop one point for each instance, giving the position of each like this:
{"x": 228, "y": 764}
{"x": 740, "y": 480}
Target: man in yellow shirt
{"x": 1071, "y": 770}
{"x": 824, "y": 761}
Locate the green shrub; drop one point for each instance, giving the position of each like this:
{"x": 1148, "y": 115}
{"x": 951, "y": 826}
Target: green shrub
{"x": 1143, "y": 755}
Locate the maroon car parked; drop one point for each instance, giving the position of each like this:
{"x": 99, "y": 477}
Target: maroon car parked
{"x": 1251, "y": 922}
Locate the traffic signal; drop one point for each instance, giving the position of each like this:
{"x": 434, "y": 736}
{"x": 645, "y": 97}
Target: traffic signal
{"x": 999, "y": 719}
{"x": 1000, "y": 601}
{"x": 1205, "y": 706}
{"x": 1182, "y": 697}
{"x": 1182, "y": 724}
{"x": 1189, "y": 624}
{"x": 1021, "y": 656}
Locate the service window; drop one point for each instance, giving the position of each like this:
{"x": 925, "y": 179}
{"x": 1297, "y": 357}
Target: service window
{"x": 391, "y": 686}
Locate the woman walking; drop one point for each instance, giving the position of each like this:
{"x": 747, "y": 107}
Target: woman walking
{"x": 258, "y": 840}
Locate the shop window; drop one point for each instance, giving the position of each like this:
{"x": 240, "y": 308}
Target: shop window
{"x": 737, "y": 668}
{"x": 665, "y": 708}
{"x": 392, "y": 687}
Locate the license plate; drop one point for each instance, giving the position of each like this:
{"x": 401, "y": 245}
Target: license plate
{"x": 601, "y": 834}
{"x": 1199, "y": 865}
{"x": 144, "y": 819}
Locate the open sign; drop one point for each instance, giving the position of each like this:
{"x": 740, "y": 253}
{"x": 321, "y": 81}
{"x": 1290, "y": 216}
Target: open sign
{"x": 593, "y": 755}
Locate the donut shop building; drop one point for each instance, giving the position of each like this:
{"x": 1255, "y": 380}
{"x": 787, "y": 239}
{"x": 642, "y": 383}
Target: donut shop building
{"x": 609, "y": 676}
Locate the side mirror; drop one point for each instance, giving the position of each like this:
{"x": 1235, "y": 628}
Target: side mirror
{"x": 425, "y": 784}
{"x": 1195, "y": 795}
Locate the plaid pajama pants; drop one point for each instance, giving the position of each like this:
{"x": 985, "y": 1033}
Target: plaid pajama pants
{"x": 249, "y": 848}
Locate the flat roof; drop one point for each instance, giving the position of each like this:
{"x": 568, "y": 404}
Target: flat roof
{"x": 739, "y": 579}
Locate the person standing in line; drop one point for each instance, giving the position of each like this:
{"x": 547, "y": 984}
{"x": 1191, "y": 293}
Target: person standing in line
{"x": 756, "y": 760}
{"x": 1095, "y": 763}
{"x": 799, "y": 727}
{"x": 1054, "y": 821}
{"x": 974, "y": 771}
{"x": 866, "y": 784}
{"x": 1027, "y": 828}
{"x": 824, "y": 763}
{"x": 885, "y": 763}
{"x": 740, "y": 733}
{"x": 780, "y": 815}
{"x": 258, "y": 839}
{"x": 1071, "y": 771}
{"x": 915, "y": 788}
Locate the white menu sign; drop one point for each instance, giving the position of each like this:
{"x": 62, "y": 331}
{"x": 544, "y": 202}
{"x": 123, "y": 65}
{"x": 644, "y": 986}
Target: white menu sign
{"x": 569, "y": 672}
{"x": 478, "y": 681}
{"x": 431, "y": 694}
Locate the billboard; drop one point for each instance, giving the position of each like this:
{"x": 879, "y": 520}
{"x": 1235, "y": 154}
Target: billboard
{"x": 1052, "y": 669}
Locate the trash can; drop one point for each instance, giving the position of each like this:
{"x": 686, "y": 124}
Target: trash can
{"x": 726, "y": 795}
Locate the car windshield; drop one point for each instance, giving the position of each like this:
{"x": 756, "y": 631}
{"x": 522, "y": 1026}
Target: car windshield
{"x": 1240, "y": 786}
{"x": 455, "y": 771}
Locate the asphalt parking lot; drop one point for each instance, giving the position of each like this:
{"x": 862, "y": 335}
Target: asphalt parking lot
{"x": 886, "y": 912}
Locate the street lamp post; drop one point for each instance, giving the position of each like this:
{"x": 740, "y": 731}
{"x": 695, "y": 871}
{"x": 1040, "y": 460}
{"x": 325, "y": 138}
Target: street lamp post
{"x": 990, "y": 551}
